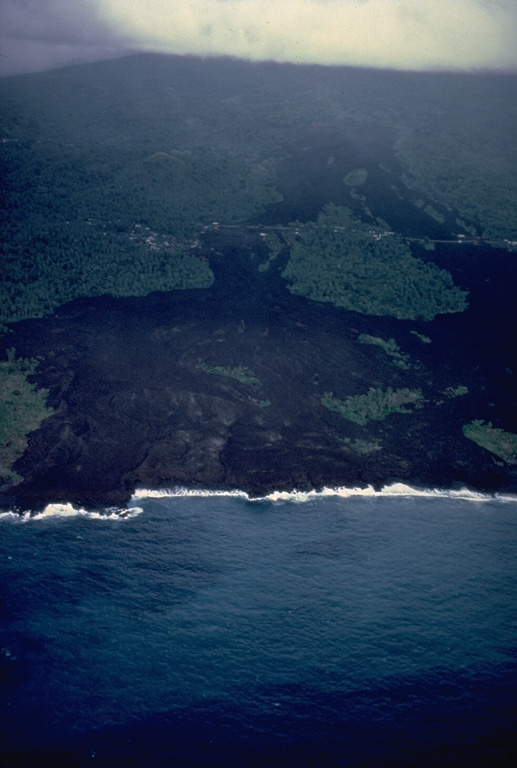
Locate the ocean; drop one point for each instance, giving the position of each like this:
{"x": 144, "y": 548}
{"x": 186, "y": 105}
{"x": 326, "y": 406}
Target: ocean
{"x": 195, "y": 629}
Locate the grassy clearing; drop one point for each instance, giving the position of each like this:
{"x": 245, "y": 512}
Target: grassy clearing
{"x": 422, "y": 337}
{"x": 375, "y": 405}
{"x": 274, "y": 247}
{"x": 458, "y": 391}
{"x": 497, "y": 441}
{"x": 240, "y": 373}
{"x": 356, "y": 177}
{"x": 22, "y": 410}
{"x": 390, "y": 347}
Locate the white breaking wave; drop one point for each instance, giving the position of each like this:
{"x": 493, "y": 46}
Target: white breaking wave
{"x": 68, "y": 511}
{"x": 399, "y": 490}
{"x": 396, "y": 490}
{"x": 167, "y": 493}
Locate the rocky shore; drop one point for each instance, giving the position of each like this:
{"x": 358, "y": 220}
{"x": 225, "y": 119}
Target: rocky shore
{"x": 138, "y": 400}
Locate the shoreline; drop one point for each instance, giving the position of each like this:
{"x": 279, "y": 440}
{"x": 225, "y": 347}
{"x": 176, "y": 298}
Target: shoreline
{"x": 139, "y": 398}
{"x": 396, "y": 490}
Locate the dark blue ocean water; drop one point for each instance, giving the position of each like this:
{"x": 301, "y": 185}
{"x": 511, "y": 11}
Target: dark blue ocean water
{"x": 217, "y": 631}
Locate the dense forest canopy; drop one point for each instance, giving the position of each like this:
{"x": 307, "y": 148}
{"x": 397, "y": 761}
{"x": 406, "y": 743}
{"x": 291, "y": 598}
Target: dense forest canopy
{"x": 309, "y": 230}
{"x": 167, "y": 144}
{"x": 340, "y": 260}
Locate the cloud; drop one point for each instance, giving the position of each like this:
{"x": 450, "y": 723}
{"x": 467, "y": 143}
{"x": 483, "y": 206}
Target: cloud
{"x": 401, "y": 34}
{"x": 414, "y": 34}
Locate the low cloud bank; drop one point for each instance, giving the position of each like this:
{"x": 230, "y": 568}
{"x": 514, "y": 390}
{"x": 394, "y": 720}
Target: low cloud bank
{"x": 399, "y": 34}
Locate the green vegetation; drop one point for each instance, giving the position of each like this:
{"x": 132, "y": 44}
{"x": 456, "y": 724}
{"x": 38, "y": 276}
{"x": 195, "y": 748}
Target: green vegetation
{"x": 471, "y": 230}
{"x": 376, "y": 405}
{"x": 274, "y": 247}
{"x": 340, "y": 260}
{"x": 172, "y": 144}
{"x": 454, "y": 140}
{"x": 22, "y": 410}
{"x": 434, "y": 214}
{"x": 497, "y": 441}
{"x": 428, "y": 244}
{"x": 81, "y": 172}
{"x": 390, "y": 347}
{"x": 133, "y": 271}
{"x": 463, "y": 163}
{"x": 458, "y": 391}
{"x": 356, "y": 177}
{"x": 240, "y": 373}
{"x": 262, "y": 403}
{"x": 422, "y": 337}
{"x": 71, "y": 219}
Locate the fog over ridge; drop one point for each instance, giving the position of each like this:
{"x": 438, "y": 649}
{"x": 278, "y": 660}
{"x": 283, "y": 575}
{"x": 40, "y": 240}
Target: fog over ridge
{"x": 395, "y": 34}
{"x": 402, "y": 34}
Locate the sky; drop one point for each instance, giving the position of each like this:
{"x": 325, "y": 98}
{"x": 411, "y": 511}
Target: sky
{"x": 395, "y": 34}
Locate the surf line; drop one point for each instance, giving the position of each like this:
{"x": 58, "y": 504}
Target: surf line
{"x": 63, "y": 511}
{"x": 396, "y": 490}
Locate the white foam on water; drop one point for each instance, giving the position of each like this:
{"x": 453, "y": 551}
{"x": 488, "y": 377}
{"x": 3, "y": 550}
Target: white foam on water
{"x": 398, "y": 490}
{"x": 168, "y": 493}
{"x": 67, "y": 510}
{"x": 9, "y": 516}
